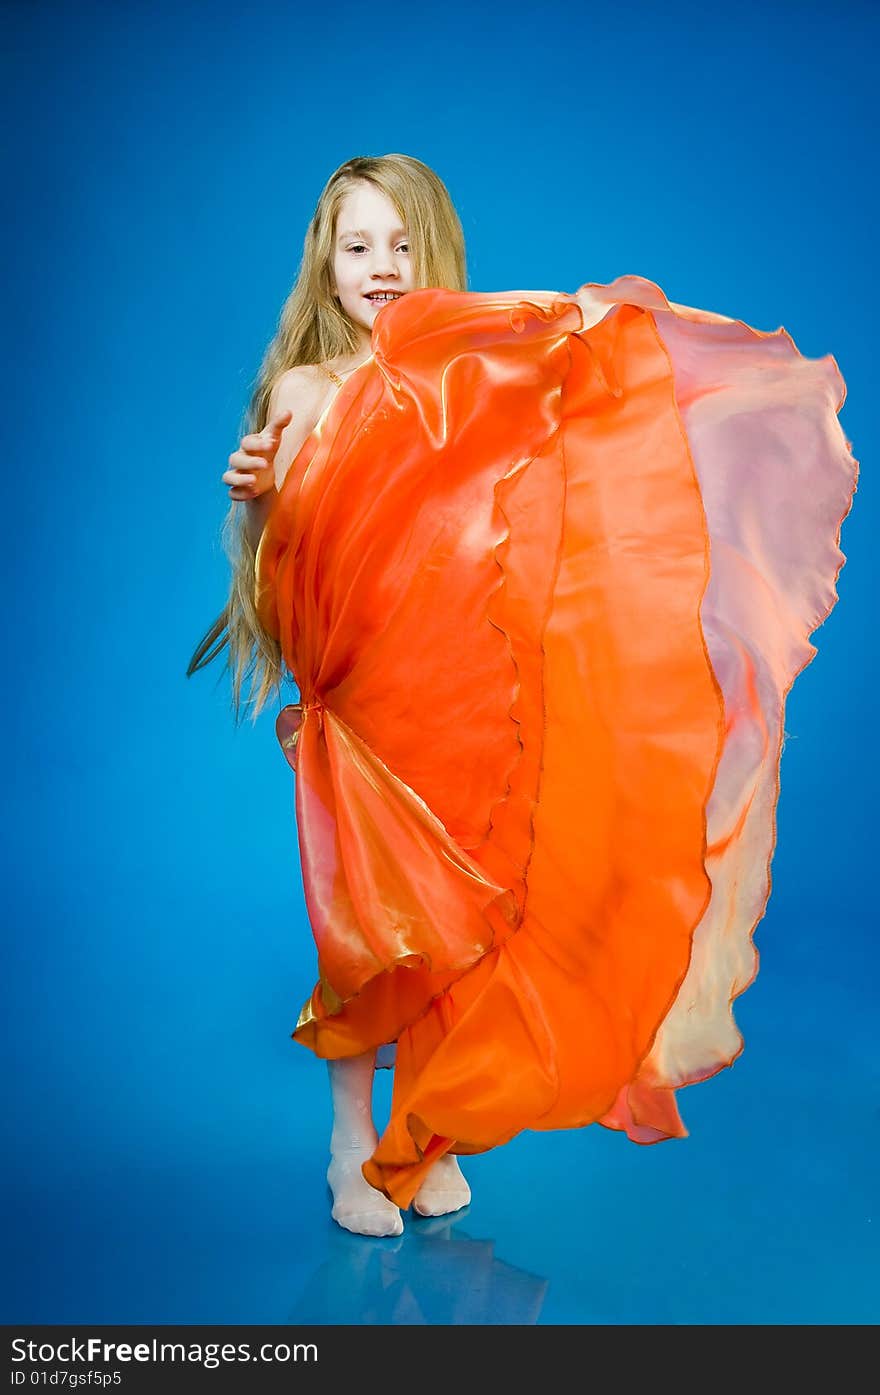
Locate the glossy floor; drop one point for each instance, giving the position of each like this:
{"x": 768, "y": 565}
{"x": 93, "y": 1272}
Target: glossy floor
{"x": 207, "y": 1202}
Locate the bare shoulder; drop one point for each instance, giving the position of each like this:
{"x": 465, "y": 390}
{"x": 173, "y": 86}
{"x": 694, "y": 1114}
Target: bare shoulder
{"x": 302, "y": 391}
{"x": 296, "y": 387}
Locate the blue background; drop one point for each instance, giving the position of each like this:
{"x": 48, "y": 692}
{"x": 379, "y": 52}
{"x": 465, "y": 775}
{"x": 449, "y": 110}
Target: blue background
{"x": 167, "y": 1141}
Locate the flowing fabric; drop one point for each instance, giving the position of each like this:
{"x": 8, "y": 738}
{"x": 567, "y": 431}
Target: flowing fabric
{"x": 544, "y": 589}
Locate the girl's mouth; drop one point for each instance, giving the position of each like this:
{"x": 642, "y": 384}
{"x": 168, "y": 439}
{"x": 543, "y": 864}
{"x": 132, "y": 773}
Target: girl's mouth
{"x": 382, "y": 297}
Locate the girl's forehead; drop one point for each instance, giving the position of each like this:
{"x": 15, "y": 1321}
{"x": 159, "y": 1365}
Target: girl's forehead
{"x": 363, "y": 204}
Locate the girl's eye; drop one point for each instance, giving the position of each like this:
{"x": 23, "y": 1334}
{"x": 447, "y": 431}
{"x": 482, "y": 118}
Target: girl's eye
{"x": 359, "y": 247}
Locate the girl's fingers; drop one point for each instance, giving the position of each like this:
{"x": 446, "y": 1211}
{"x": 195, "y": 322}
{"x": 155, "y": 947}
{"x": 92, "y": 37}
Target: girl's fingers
{"x": 279, "y": 421}
{"x": 257, "y": 445}
{"x": 260, "y": 442}
{"x": 251, "y": 460}
{"x": 254, "y": 456}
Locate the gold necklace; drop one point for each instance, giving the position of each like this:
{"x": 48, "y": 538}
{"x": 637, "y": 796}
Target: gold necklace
{"x": 334, "y": 376}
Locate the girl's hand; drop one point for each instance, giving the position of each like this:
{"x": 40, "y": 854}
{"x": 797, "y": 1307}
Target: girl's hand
{"x": 252, "y": 467}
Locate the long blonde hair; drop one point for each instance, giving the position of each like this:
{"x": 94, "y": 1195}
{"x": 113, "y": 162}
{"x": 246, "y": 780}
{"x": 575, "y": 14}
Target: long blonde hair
{"x": 312, "y": 328}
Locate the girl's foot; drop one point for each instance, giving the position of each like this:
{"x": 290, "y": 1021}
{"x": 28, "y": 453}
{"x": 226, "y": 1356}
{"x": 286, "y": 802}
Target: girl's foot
{"x": 443, "y": 1190}
{"x": 356, "y": 1205}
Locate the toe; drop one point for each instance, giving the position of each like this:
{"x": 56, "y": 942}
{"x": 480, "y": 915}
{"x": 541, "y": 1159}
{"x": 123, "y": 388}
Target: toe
{"x": 388, "y": 1222}
{"x": 441, "y": 1203}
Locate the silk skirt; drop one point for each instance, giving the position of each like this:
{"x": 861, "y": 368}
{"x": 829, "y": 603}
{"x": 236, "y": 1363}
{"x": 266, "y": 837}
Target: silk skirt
{"x": 544, "y": 580}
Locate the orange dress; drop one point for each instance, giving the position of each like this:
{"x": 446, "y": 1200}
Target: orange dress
{"x": 544, "y": 590}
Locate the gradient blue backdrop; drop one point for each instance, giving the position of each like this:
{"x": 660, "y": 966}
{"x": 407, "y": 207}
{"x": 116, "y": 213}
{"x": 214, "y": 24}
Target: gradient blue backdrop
{"x": 167, "y": 1141}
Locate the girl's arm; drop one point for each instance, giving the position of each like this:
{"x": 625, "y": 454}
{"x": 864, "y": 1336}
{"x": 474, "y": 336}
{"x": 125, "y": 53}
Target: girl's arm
{"x": 256, "y": 513}
{"x": 298, "y": 391}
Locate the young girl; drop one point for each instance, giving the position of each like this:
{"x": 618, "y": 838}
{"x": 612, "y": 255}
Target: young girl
{"x": 544, "y": 568}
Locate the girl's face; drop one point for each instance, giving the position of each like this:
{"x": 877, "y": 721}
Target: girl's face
{"x": 370, "y": 256}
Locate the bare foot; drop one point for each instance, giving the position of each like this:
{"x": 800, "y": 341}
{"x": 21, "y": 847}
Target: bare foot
{"x": 443, "y": 1190}
{"x": 356, "y": 1205}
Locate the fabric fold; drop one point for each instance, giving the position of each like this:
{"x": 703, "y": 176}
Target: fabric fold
{"x": 544, "y": 576}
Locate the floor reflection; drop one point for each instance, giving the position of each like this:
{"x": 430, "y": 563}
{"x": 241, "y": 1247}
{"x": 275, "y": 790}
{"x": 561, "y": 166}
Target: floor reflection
{"x": 433, "y": 1273}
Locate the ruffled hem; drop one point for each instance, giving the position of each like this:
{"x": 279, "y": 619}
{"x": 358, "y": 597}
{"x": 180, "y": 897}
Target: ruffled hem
{"x": 777, "y": 478}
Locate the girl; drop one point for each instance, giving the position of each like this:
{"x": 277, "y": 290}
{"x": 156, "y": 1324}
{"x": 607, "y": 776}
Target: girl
{"x": 544, "y": 568}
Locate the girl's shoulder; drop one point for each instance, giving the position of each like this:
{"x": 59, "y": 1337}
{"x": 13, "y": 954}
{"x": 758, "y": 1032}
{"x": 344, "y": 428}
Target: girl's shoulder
{"x": 298, "y": 387}
{"x": 301, "y": 375}
{"x": 307, "y": 390}
{"x": 310, "y": 381}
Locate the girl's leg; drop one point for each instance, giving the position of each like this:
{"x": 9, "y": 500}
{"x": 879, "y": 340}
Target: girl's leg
{"x": 356, "y": 1205}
